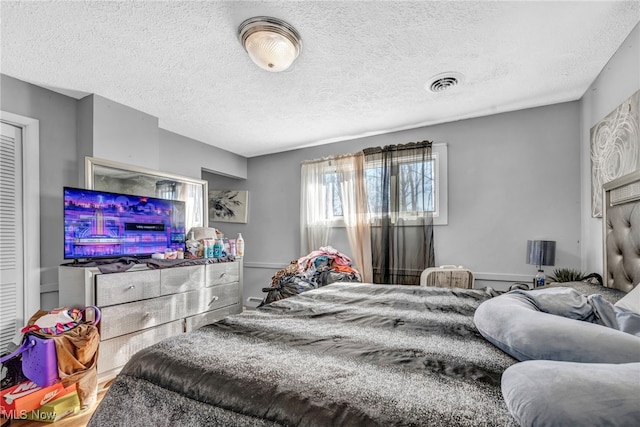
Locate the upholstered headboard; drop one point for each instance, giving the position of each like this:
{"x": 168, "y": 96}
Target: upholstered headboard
{"x": 621, "y": 226}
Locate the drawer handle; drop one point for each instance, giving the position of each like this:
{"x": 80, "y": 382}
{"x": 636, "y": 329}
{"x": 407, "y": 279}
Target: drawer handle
{"x": 131, "y": 287}
{"x": 214, "y": 299}
{"x": 147, "y": 315}
{"x": 223, "y": 274}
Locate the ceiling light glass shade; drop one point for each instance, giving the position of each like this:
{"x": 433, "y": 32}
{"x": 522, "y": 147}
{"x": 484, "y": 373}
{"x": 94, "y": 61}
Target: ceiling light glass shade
{"x": 271, "y": 43}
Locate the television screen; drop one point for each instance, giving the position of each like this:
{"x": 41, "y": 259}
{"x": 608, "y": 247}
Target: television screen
{"x": 99, "y": 224}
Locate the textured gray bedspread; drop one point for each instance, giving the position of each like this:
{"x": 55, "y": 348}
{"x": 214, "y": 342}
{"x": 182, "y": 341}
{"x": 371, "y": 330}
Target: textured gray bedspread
{"x": 346, "y": 354}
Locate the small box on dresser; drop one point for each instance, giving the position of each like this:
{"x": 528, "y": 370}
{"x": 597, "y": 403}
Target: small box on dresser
{"x": 142, "y": 306}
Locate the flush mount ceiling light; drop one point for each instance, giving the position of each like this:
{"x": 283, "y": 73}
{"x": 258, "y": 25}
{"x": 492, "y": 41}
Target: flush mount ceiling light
{"x": 443, "y": 82}
{"x": 270, "y": 42}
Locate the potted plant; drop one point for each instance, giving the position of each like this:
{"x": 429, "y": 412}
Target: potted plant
{"x": 562, "y": 275}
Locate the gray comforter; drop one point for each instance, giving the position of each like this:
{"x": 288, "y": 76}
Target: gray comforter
{"x": 346, "y": 354}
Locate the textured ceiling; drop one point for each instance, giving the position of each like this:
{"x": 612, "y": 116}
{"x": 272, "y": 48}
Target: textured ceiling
{"x": 361, "y": 72}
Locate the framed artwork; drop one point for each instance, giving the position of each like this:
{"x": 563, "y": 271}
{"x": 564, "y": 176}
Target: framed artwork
{"x": 615, "y": 148}
{"x": 228, "y": 205}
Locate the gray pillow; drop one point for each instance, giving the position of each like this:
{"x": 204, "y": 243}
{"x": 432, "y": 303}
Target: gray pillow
{"x": 585, "y": 288}
{"x": 513, "y": 323}
{"x": 551, "y": 393}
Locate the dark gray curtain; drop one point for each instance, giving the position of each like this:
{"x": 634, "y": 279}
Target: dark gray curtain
{"x": 400, "y": 189}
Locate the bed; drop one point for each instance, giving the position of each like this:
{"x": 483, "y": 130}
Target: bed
{"x": 348, "y": 354}
{"x": 344, "y": 354}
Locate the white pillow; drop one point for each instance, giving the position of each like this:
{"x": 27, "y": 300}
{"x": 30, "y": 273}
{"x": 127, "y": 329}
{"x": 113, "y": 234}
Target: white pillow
{"x": 631, "y": 301}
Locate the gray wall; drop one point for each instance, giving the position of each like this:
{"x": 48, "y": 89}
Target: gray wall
{"x": 71, "y": 129}
{"x": 618, "y": 80}
{"x": 58, "y": 167}
{"x": 512, "y": 177}
{"x": 187, "y": 157}
{"x": 112, "y": 131}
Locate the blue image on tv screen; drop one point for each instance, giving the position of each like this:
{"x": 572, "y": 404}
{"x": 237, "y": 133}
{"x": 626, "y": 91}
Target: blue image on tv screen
{"x": 99, "y": 224}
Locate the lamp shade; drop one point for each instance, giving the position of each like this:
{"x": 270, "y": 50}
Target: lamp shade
{"x": 541, "y": 252}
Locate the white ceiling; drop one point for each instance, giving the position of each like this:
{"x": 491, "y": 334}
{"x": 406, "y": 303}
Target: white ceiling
{"x": 362, "y": 68}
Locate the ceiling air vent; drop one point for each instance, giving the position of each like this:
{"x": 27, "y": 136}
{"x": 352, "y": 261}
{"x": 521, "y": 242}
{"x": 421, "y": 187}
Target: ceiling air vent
{"x": 443, "y": 82}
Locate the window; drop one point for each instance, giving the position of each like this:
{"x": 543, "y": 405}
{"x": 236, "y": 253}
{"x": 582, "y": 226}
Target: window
{"x": 411, "y": 204}
{"x": 333, "y": 205}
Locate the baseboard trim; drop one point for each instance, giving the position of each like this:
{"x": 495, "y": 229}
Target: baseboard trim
{"x": 503, "y": 277}
{"x": 269, "y": 265}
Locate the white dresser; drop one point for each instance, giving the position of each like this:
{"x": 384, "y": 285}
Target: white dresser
{"x": 142, "y": 306}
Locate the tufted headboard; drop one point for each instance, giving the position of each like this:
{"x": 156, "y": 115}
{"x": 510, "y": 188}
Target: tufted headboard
{"x": 621, "y": 227}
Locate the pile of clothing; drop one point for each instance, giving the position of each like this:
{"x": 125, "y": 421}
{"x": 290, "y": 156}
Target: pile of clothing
{"x": 320, "y": 268}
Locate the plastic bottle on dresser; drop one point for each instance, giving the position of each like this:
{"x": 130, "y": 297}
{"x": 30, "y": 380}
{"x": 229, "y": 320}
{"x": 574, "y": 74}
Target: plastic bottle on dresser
{"x": 240, "y": 246}
{"x": 539, "y": 279}
{"x": 205, "y": 250}
{"x": 217, "y": 249}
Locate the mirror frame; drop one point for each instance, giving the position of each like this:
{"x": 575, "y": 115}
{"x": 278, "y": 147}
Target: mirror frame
{"x": 90, "y": 179}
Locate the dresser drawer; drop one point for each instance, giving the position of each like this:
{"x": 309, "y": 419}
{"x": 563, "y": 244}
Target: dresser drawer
{"x": 202, "y": 319}
{"x": 126, "y": 318}
{"x": 116, "y": 352}
{"x": 175, "y": 280}
{"x": 213, "y": 297}
{"x": 116, "y": 288}
{"x": 220, "y": 273}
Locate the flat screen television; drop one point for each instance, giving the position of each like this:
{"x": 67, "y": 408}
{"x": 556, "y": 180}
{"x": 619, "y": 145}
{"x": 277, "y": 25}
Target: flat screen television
{"x": 99, "y": 224}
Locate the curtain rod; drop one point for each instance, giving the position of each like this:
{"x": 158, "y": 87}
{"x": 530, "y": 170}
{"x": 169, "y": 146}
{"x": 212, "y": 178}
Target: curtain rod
{"x": 398, "y": 147}
{"x": 330, "y": 158}
{"x": 372, "y": 150}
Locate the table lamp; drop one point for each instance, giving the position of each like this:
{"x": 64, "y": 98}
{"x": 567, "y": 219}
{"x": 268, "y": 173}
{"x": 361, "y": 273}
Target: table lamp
{"x": 539, "y": 253}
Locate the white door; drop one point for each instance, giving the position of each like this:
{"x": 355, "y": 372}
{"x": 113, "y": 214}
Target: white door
{"x": 11, "y": 234}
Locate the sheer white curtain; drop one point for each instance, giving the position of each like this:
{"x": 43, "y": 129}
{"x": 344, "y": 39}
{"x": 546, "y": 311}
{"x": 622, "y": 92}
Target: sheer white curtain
{"x": 315, "y": 197}
{"x": 351, "y": 177}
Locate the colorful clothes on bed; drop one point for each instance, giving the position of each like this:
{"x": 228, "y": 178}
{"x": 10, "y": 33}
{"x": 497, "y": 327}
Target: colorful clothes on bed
{"x": 320, "y": 268}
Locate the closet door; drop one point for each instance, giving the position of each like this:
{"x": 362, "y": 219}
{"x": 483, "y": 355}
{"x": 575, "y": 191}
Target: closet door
{"x": 11, "y": 232}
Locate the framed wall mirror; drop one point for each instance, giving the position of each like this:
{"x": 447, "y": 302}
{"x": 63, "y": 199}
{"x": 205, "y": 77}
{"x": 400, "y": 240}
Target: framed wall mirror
{"x": 106, "y": 175}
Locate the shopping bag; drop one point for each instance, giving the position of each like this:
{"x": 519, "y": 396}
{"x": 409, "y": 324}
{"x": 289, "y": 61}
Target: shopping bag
{"x": 39, "y": 357}
{"x": 39, "y": 361}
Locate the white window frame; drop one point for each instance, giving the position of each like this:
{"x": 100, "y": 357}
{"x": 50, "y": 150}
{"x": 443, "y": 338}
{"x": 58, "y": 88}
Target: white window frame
{"x": 441, "y": 213}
